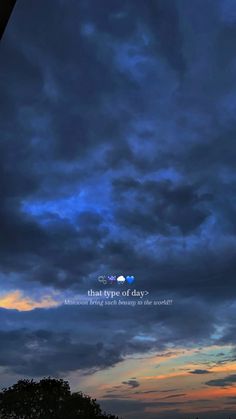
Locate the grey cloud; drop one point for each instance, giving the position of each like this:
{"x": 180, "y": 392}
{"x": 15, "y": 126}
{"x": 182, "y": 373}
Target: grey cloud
{"x": 199, "y": 371}
{"x": 49, "y": 334}
{"x": 131, "y": 383}
{"x": 227, "y": 381}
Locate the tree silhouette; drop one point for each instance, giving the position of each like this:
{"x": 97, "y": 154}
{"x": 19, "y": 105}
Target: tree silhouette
{"x": 47, "y": 399}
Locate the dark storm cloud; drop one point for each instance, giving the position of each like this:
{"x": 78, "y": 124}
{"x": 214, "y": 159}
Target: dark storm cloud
{"x": 72, "y": 116}
{"x": 56, "y": 250}
{"x": 165, "y": 206}
{"x": 64, "y": 338}
{"x": 117, "y": 155}
{"x": 44, "y": 353}
{"x": 223, "y": 382}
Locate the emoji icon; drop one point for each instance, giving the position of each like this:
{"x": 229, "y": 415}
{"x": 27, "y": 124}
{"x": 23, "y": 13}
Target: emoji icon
{"x": 102, "y": 279}
{"x": 130, "y": 279}
{"x": 121, "y": 279}
{"x": 111, "y": 279}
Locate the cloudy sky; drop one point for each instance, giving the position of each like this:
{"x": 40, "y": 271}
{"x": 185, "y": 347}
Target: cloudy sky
{"x": 117, "y": 156}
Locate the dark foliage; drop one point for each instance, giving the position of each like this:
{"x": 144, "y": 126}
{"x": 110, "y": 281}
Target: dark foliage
{"x": 47, "y": 399}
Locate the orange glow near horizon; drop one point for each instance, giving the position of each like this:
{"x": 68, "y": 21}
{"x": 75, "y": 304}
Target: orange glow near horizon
{"x": 165, "y": 381}
{"x": 18, "y": 301}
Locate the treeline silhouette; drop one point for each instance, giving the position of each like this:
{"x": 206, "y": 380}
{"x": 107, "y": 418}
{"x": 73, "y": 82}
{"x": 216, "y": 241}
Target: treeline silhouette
{"x": 49, "y": 398}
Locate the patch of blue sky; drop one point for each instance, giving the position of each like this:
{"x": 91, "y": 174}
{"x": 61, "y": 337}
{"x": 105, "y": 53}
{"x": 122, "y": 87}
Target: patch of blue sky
{"x": 202, "y": 357}
{"x": 218, "y": 332}
{"x": 144, "y": 338}
{"x": 65, "y": 208}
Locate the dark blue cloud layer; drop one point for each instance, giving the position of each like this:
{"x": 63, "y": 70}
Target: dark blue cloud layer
{"x": 117, "y": 154}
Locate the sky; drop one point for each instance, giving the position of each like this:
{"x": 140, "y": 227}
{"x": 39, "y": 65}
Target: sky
{"x": 117, "y": 157}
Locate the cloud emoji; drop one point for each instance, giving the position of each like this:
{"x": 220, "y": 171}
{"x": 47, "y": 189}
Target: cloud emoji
{"x": 121, "y": 279}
